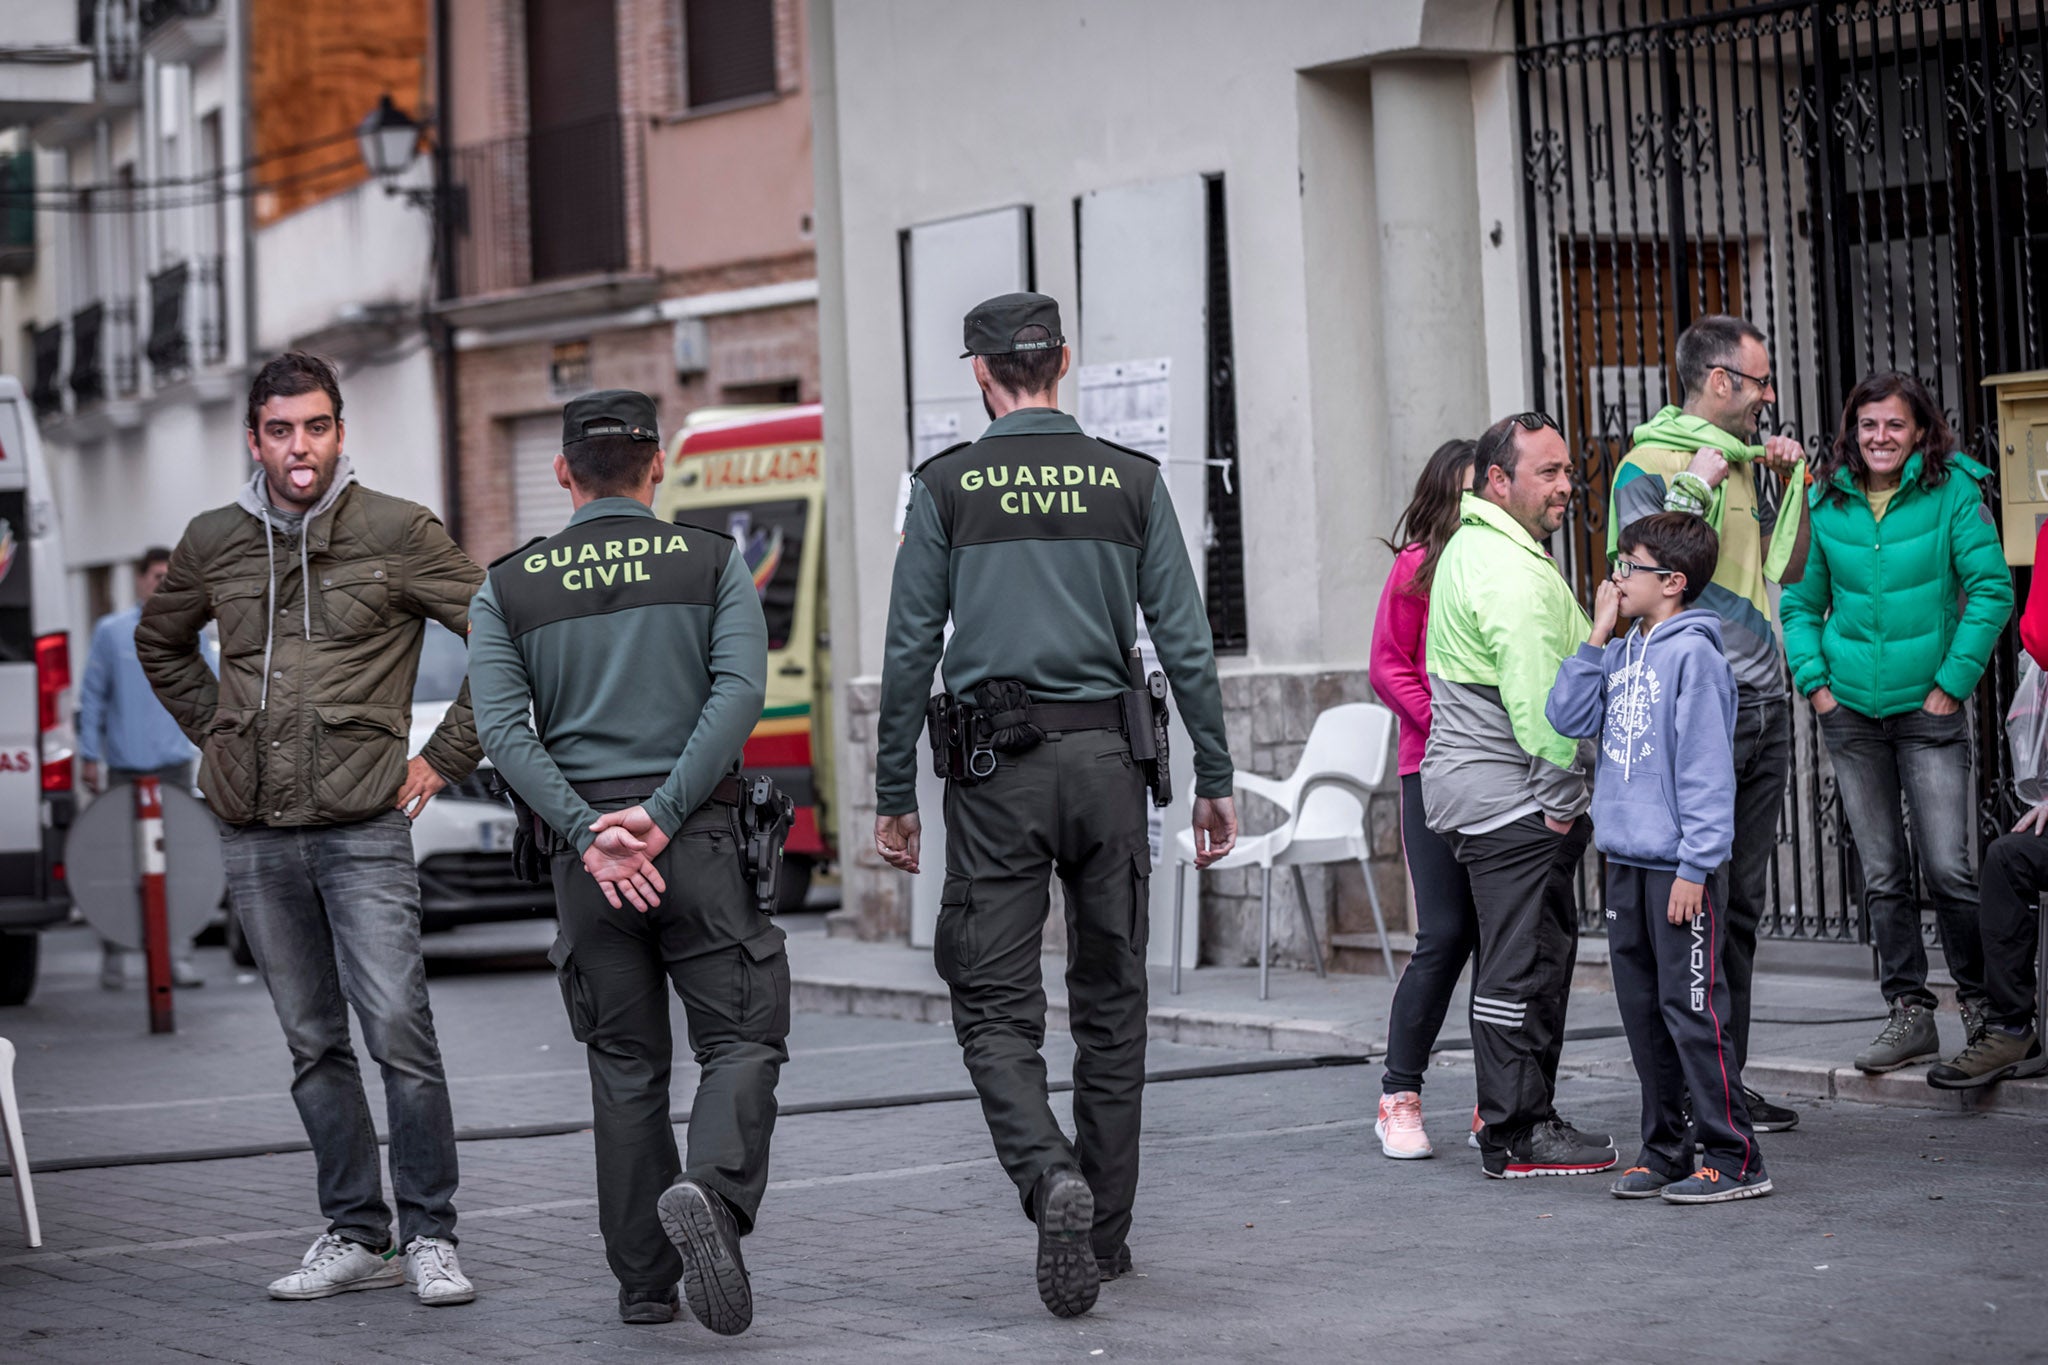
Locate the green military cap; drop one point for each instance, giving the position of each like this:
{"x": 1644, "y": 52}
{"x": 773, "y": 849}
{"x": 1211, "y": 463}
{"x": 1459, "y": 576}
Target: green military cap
{"x": 993, "y": 324}
{"x": 610, "y": 412}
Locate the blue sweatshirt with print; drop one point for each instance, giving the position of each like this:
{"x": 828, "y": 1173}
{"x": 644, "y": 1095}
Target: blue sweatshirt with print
{"x": 1663, "y": 707}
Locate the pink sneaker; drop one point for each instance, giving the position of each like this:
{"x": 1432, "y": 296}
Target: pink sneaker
{"x": 1477, "y": 1128}
{"x": 1399, "y": 1127}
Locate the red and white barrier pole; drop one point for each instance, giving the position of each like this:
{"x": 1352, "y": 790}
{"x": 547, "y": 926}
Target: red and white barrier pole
{"x": 156, "y": 914}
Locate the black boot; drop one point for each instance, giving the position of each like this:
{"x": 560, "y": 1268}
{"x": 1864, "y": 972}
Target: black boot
{"x": 1068, "y": 1277}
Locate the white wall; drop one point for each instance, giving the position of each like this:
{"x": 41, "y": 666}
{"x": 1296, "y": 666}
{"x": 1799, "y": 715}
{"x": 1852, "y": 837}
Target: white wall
{"x": 1144, "y": 90}
{"x": 362, "y": 247}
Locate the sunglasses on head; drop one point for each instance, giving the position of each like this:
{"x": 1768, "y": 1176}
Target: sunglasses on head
{"x": 1495, "y": 441}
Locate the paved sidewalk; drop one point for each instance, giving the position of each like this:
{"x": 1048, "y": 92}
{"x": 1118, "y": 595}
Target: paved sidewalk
{"x": 1806, "y": 1028}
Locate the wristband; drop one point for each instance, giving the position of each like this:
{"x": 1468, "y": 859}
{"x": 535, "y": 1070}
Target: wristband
{"x": 1688, "y": 492}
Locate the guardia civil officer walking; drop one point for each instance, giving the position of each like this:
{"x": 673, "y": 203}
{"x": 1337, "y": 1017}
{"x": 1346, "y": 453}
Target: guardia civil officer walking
{"x": 1042, "y": 544}
{"x": 641, "y": 649}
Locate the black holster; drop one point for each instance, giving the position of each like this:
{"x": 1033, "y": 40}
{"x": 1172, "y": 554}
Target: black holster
{"x": 765, "y": 815}
{"x": 1145, "y": 724}
{"x": 533, "y": 841}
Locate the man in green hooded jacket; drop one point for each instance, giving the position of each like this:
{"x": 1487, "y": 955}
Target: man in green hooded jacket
{"x": 1703, "y": 457}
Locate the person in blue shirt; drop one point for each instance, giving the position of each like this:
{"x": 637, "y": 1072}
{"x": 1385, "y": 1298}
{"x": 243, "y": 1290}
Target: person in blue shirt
{"x": 124, "y": 731}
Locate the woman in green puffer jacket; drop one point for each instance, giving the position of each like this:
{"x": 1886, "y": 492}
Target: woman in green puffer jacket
{"x": 1905, "y": 594}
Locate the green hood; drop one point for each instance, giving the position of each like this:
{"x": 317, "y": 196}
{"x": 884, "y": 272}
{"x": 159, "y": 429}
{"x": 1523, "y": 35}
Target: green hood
{"x": 1675, "y": 429}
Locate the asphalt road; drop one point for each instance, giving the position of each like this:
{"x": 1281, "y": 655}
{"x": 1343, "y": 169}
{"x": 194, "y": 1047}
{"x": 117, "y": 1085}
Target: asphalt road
{"x": 1268, "y": 1226}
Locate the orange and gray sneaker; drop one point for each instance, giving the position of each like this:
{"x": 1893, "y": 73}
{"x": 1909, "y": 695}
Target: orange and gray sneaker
{"x": 1399, "y": 1127}
{"x": 1709, "y": 1186}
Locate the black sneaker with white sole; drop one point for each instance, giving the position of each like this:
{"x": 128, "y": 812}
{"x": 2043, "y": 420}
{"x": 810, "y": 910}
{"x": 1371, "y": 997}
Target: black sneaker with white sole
{"x": 1068, "y": 1276}
{"x": 715, "y": 1280}
{"x": 1546, "y": 1149}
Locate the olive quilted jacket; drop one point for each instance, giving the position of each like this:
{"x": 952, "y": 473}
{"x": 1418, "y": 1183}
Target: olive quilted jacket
{"x": 1888, "y": 610}
{"x": 308, "y": 721}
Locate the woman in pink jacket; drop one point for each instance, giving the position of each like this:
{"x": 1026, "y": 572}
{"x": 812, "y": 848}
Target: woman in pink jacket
{"x": 1445, "y": 929}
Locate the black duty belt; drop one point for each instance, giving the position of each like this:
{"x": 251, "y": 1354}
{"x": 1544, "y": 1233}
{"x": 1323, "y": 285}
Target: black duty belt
{"x": 727, "y": 792}
{"x": 1055, "y": 717}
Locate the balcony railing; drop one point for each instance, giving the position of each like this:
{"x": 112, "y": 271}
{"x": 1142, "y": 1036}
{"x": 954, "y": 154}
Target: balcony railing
{"x": 88, "y": 371}
{"x": 551, "y": 205}
{"x": 120, "y": 352}
{"x": 109, "y": 28}
{"x": 46, "y": 344}
{"x": 170, "y": 343}
{"x": 187, "y": 316}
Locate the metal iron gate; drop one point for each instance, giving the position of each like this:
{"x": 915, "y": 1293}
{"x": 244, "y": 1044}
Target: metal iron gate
{"x": 1866, "y": 181}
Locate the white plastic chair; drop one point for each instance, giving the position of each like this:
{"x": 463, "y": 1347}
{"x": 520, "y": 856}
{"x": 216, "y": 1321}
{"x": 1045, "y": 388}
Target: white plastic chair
{"x": 17, "y": 1150}
{"x": 1325, "y": 796}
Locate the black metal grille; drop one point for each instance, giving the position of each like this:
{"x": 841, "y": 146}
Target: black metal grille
{"x": 550, "y": 205}
{"x": 1866, "y": 181}
{"x": 170, "y": 342}
{"x": 46, "y": 348}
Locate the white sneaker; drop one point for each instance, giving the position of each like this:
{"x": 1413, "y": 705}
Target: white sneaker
{"x": 434, "y": 1273}
{"x": 335, "y": 1265}
{"x": 1399, "y": 1127}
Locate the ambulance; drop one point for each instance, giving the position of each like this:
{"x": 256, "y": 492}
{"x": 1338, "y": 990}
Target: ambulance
{"x": 37, "y": 770}
{"x": 757, "y": 475}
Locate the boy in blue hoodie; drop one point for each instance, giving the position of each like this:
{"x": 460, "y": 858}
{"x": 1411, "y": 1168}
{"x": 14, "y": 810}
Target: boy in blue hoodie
{"x": 1662, "y": 701}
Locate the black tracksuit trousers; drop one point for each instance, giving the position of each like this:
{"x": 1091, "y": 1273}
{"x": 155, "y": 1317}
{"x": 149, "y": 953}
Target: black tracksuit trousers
{"x": 1673, "y": 993}
{"x": 1522, "y": 979}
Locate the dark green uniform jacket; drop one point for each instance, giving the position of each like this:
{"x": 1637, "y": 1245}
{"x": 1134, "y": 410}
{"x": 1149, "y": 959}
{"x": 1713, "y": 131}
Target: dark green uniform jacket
{"x": 641, "y": 649}
{"x": 1042, "y": 543}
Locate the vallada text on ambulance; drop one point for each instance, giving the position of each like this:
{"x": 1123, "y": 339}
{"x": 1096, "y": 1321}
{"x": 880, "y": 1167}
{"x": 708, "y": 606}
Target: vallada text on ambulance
{"x": 758, "y": 476}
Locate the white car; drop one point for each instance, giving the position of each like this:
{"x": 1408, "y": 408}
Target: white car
{"x": 462, "y": 841}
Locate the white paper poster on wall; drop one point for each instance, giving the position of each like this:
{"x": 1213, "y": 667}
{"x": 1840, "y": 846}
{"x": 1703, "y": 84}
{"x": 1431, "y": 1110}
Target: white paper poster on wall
{"x": 935, "y": 431}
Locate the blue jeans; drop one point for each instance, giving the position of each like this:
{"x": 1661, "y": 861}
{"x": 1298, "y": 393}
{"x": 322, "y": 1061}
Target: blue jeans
{"x": 332, "y": 915}
{"x": 1926, "y": 759}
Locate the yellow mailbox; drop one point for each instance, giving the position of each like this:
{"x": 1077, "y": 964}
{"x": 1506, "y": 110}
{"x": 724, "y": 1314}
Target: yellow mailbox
{"x": 2023, "y": 460}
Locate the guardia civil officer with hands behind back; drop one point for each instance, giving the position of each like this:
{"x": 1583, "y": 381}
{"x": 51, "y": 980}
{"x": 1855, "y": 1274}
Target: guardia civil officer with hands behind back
{"x": 641, "y": 649}
{"x": 1042, "y": 543}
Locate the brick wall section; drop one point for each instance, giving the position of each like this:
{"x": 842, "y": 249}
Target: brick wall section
{"x": 1268, "y": 716}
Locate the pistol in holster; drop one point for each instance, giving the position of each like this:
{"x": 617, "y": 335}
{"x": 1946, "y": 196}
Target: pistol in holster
{"x": 766, "y": 812}
{"x": 1145, "y": 725}
{"x": 533, "y": 840}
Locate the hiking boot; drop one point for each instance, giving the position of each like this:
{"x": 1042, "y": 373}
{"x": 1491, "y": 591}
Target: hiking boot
{"x": 637, "y": 1309}
{"x": 1399, "y": 1127}
{"x": 1472, "y": 1139}
{"x": 1976, "y": 1018}
{"x": 335, "y": 1265}
{"x": 1709, "y": 1186}
{"x": 434, "y": 1273}
{"x": 1766, "y": 1117}
{"x": 1909, "y": 1036}
{"x": 714, "y": 1274}
{"x": 1992, "y": 1056}
{"x": 1117, "y": 1266}
{"x": 1546, "y": 1149}
{"x": 1068, "y": 1276}
{"x": 1638, "y": 1182}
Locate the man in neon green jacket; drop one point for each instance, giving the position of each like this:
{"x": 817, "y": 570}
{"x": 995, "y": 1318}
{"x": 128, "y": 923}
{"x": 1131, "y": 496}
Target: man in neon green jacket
{"x": 1507, "y": 792}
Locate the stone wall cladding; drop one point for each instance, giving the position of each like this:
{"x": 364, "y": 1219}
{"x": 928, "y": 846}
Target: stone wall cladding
{"x": 1268, "y": 716}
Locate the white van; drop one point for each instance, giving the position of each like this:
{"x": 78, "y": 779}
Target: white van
{"x": 37, "y": 768}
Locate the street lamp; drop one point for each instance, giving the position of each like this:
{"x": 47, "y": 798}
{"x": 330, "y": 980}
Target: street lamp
{"x": 389, "y": 140}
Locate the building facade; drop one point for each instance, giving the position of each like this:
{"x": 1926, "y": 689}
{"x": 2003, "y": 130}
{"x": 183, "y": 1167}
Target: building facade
{"x": 1327, "y": 244}
{"x": 634, "y": 183}
{"x": 204, "y": 207}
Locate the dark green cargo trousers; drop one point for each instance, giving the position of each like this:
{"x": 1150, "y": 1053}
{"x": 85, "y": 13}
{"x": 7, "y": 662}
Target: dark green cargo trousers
{"x": 1073, "y": 806}
{"x": 727, "y": 963}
